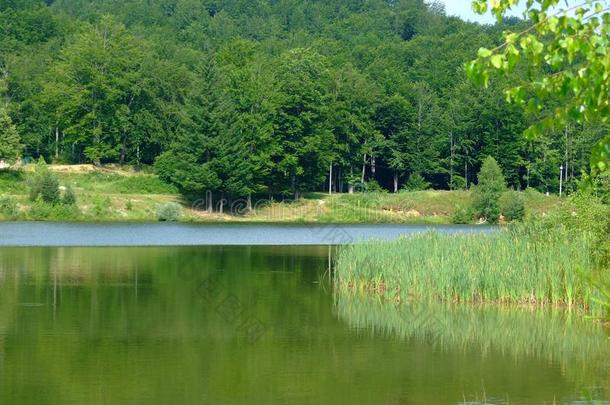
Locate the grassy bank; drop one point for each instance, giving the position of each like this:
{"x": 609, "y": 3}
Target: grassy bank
{"x": 102, "y": 195}
{"x": 123, "y": 194}
{"x": 525, "y": 268}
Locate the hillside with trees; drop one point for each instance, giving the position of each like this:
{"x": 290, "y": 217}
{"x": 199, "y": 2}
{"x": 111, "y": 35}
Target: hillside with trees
{"x": 241, "y": 98}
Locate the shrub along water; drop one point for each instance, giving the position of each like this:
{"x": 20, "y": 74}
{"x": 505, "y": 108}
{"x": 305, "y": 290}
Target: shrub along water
{"x": 44, "y": 184}
{"x": 517, "y": 266}
{"x": 512, "y": 206}
{"x": 69, "y": 198}
{"x": 584, "y": 214}
{"x": 486, "y": 194}
{"x": 170, "y": 212}
{"x": 41, "y": 211}
{"x": 8, "y": 207}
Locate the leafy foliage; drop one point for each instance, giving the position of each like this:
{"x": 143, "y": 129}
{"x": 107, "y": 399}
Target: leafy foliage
{"x": 274, "y": 98}
{"x": 569, "y": 59}
{"x": 588, "y": 215}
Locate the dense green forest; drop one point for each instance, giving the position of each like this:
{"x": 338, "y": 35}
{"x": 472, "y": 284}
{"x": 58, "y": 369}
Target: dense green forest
{"x": 270, "y": 97}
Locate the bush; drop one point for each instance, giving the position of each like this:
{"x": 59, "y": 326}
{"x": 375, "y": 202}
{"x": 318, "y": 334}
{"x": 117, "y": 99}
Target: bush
{"x": 458, "y": 183}
{"x": 599, "y": 186}
{"x": 8, "y": 207}
{"x": 49, "y": 189}
{"x": 416, "y": 182}
{"x": 44, "y": 184}
{"x": 69, "y": 197}
{"x": 12, "y": 182}
{"x": 372, "y": 186}
{"x": 43, "y": 211}
{"x": 487, "y": 193}
{"x": 101, "y": 206}
{"x": 142, "y": 184}
{"x": 532, "y": 194}
{"x": 170, "y": 212}
{"x": 584, "y": 214}
{"x": 512, "y": 206}
{"x": 462, "y": 215}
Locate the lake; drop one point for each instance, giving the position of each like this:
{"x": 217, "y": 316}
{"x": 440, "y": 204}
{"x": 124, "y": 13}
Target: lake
{"x": 262, "y": 325}
{"x": 173, "y": 234}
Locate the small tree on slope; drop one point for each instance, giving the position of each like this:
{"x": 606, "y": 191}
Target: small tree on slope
{"x": 487, "y": 193}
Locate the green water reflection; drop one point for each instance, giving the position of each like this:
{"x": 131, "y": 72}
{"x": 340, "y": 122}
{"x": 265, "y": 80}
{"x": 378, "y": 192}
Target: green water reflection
{"x": 261, "y": 325}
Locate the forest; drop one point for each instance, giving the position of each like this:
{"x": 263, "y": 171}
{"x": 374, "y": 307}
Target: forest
{"x": 270, "y": 97}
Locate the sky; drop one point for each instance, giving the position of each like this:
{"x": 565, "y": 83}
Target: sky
{"x": 462, "y": 9}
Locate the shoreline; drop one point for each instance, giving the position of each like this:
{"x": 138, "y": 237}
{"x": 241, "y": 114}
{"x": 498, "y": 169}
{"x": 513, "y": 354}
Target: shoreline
{"x": 428, "y": 221}
{"x": 117, "y": 195}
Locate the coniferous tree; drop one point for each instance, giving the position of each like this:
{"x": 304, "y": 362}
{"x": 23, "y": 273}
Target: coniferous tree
{"x": 486, "y": 194}
{"x": 10, "y": 146}
{"x": 44, "y": 184}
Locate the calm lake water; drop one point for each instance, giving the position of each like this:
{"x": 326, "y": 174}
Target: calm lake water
{"x": 171, "y": 234}
{"x": 262, "y": 325}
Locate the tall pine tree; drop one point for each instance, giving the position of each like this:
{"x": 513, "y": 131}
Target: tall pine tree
{"x": 10, "y": 145}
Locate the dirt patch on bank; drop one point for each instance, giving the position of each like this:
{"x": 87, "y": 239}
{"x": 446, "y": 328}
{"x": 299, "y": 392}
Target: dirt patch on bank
{"x": 89, "y": 168}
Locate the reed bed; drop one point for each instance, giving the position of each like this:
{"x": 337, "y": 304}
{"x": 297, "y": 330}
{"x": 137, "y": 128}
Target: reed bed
{"x": 507, "y": 267}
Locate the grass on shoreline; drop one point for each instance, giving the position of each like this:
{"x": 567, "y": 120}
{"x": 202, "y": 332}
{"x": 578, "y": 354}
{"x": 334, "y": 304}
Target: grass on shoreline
{"x": 123, "y": 194}
{"x": 519, "y": 268}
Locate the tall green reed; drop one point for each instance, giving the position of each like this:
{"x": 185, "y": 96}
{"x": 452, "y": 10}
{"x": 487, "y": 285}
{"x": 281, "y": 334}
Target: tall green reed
{"x": 517, "y": 266}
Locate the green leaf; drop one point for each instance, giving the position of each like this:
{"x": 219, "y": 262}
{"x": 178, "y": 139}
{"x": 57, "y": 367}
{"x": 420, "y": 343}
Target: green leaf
{"x": 496, "y": 61}
{"x": 484, "y": 53}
